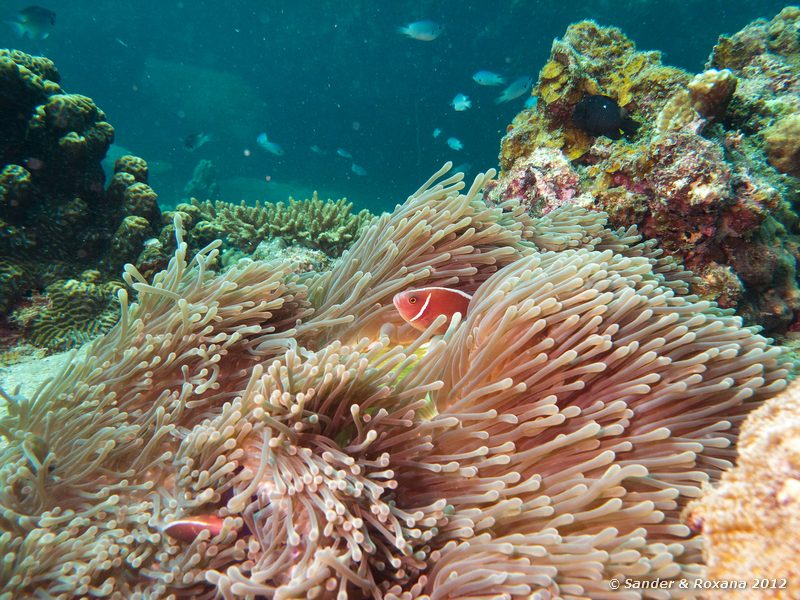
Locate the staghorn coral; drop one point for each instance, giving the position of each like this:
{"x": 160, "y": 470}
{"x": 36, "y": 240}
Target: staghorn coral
{"x": 542, "y": 445}
{"x": 751, "y": 520}
{"x": 690, "y": 177}
{"x": 324, "y": 225}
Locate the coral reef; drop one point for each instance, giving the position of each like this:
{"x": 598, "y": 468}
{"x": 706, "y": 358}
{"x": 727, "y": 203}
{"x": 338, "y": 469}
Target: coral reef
{"x": 699, "y": 175}
{"x": 56, "y": 218}
{"x": 711, "y": 91}
{"x": 751, "y": 520}
{"x": 764, "y": 57}
{"x": 328, "y": 226}
{"x": 323, "y": 448}
{"x": 589, "y": 60}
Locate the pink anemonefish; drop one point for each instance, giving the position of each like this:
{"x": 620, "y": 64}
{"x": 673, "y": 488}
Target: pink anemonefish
{"x": 419, "y": 308}
{"x": 188, "y": 528}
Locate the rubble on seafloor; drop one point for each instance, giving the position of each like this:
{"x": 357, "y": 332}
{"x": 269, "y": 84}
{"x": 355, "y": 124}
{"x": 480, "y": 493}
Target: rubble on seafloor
{"x": 710, "y": 174}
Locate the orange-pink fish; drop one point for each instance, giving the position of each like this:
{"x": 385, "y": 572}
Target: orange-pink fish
{"x": 419, "y": 308}
{"x": 188, "y": 528}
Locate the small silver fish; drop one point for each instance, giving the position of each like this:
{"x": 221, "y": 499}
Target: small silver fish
{"x": 461, "y": 102}
{"x": 344, "y": 153}
{"x": 271, "y": 147}
{"x": 437, "y": 132}
{"x": 34, "y": 23}
{"x": 517, "y": 87}
{"x": 424, "y": 31}
{"x": 488, "y": 78}
{"x": 454, "y": 143}
{"x": 317, "y": 150}
{"x": 358, "y": 170}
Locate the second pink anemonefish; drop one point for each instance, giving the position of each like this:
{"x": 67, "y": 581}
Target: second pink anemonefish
{"x": 420, "y": 307}
{"x": 188, "y": 528}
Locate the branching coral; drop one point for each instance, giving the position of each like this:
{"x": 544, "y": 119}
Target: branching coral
{"x": 544, "y": 444}
{"x": 325, "y": 225}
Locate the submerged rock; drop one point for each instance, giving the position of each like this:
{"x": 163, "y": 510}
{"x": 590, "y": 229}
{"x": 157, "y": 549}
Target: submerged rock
{"x": 703, "y": 175}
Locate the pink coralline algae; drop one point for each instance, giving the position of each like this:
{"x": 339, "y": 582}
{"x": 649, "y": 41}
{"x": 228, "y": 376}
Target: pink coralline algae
{"x": 708, "y": 174}
{"x": 544, "y": 181}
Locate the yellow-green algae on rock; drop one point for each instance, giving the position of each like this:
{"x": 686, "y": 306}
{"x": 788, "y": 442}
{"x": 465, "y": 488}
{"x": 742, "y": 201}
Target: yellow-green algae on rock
{"x": 699, "y": 175}
{"x": 589, "y": 59}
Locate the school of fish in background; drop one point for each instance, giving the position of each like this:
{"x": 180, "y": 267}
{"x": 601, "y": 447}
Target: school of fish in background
{"x": 369, "y": 108}
{"x": 38, "y": 23}
{"x": 423, "y": 31}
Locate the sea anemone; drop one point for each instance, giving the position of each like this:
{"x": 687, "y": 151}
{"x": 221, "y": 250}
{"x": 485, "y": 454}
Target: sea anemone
{"x": 545, "y": 444}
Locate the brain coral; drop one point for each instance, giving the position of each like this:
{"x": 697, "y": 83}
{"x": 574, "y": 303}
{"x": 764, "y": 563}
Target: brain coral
{"x": 544, "y": 444}
{"x": 70, "y": 313}
{"x": 696, "y": 176}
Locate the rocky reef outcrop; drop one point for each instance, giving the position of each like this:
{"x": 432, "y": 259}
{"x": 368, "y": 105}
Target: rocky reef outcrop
{"x": 710, "y": 173}
{"x": 57, "y": 216}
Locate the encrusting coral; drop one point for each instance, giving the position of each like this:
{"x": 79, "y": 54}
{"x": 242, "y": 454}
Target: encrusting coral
{"x": 544, "y": 444}
{"x": 764, "y": 57}
{"x": 751, "y": 520}
{"x": 703, "y": 174}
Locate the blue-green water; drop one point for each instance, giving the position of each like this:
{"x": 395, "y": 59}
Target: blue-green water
{"x": 334, "y": 75}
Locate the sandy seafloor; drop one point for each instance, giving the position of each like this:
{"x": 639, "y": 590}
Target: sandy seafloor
{"x": 30, "y": 374}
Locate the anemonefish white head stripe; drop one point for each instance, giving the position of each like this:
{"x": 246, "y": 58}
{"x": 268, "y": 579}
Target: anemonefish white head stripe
{"x": 420, "y": 307}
